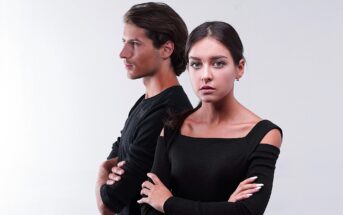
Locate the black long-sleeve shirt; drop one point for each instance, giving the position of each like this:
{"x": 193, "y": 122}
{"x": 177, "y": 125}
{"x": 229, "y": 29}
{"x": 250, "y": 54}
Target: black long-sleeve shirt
{"x": 137, "y": 147}
{"x": 203, "y": 172}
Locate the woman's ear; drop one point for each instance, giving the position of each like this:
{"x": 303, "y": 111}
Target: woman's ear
{"x": 167, "y": 49}
{"x": 240, "y": 69}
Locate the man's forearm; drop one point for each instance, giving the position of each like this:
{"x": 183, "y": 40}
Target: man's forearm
{"x": 104, "y": 171}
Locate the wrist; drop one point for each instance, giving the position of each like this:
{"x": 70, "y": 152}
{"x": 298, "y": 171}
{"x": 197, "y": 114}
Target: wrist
{"x": 166, "y": 203}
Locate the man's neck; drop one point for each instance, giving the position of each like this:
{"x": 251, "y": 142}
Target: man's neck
{"x": 158, "y": 82}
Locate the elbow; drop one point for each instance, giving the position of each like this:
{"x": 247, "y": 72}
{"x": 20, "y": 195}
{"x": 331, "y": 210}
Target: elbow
{"x": 104, "y": 210}
{"x": 245, "y": 209}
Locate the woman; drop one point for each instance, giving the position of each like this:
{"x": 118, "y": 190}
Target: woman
{"x": 203, "y": 155}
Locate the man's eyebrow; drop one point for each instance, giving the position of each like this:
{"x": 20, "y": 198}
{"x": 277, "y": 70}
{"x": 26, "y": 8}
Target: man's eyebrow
{"x": 131, "y": 40}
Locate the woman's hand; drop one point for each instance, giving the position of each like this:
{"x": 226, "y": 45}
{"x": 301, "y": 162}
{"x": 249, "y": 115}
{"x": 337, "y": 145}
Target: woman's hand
{"x": 245, "y": 189}
{"x": 155, "y": 194}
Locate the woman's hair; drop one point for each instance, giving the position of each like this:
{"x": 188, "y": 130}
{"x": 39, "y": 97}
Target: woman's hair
{"x": 222, "y": 32}
{"x": 225, "y": 34}
{"x": 161, "y": 23}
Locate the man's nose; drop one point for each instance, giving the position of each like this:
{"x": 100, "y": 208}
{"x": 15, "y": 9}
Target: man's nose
{"x": 126, "y": 51}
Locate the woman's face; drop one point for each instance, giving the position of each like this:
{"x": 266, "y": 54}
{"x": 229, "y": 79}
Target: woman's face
{"x": 212, "y": 70}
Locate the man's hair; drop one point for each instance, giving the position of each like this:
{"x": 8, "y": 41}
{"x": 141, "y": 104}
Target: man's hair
{"x": 161, "y": 24}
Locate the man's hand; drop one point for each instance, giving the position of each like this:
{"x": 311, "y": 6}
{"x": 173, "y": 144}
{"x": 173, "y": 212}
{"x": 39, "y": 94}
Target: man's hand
{"x": 104, "y": 171}
{"x": 116, "y": 173}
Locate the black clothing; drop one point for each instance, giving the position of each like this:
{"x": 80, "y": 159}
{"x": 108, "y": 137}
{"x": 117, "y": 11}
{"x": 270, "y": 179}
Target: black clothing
{"x": 202, "y": 173}
{"x": 137, "y": 147}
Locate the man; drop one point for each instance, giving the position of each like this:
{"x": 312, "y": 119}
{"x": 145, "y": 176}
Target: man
{"x": 154, "y": 41}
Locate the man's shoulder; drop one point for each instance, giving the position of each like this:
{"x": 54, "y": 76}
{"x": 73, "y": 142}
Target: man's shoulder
{"x": 178, "y": 98}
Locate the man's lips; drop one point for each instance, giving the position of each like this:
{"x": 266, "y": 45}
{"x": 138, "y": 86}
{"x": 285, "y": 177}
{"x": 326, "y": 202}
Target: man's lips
{"x": 128, "y": 65}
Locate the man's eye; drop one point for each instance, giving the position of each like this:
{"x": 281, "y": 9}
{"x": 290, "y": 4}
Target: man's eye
{"x": 134, "y": 43}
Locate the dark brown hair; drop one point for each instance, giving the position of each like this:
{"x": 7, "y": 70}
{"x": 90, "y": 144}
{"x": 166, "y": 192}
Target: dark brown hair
{"x": 222, "y": 32}
{"x": 225, "y": 34}
{"x": 161, "y": 24}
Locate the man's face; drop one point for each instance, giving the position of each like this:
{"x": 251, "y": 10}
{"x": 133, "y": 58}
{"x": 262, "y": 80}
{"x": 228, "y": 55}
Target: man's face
{"x": 141, "y": 58}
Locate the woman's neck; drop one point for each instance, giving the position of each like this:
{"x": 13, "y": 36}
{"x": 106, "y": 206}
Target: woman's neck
{"x": 226, "y": 110}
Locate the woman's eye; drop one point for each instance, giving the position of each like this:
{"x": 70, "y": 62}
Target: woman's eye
{"x": 219, "y": 64}
{"x": 195, "y": 65}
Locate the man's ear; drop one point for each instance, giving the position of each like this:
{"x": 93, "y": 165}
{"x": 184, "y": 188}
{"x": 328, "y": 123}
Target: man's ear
{"x": 167, "y": 49}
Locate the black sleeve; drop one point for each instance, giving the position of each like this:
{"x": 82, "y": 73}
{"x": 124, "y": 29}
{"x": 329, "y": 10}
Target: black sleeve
{"x": 115, "y": 147}
{"x": 262, "y": 164}
{"x": 139, "y": 161}
{"x": 161, "y": 168}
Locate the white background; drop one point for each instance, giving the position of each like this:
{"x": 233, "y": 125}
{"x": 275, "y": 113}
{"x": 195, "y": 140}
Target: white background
{"x": 65, "y": 96}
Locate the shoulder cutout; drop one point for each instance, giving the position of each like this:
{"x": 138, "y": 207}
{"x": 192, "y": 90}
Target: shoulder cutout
{"x": 162, "y": 133}
{"x": 273, "y": 137}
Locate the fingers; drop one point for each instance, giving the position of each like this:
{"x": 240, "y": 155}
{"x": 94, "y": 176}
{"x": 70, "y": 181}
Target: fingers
{"x": 247, "y": 193}
{"x": 142, "y": 200}
{"x": 121, "y": 163}
{"x": 241, "y": 197}
{"x": 110, "y": 182}
{"x": 118, "y": 169}
{"x": 145, "y": 192}
{"x": 250, "y": 187}
{"x": 154, "y": 178}
{"x": 148, "y": 185}
{"x": 245, "y": 189}
{"x": 247, "y": 184}
{"x": 116, "y": 172}
{"x": 250, "y": 191}
{"x": 249, "y": 180}
{"x": 112, "y": 178}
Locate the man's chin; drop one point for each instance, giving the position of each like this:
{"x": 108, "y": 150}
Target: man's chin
{"x": 132, "y": 76}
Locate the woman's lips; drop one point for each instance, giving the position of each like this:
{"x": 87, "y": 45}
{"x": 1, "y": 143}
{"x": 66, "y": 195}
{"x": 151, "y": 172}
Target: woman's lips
{"x": 207, "y": 89}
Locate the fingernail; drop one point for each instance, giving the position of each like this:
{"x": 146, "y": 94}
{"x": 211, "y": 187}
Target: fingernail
{"x": 257, "y": 188}
{"x": 259, "y": 185}
{"x": 254, "y": 177}
{"x": 248, "y": 195}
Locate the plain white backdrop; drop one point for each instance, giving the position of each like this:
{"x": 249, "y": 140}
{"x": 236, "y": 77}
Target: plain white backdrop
{"x": 65, "y": 96}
